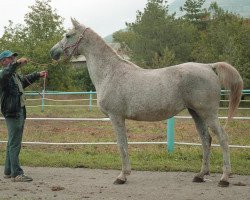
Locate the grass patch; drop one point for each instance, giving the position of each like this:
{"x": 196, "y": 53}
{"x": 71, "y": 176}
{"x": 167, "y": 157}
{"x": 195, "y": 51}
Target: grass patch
{"x": 143, "y": 157}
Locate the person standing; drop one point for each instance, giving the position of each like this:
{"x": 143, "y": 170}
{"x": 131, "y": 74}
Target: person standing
{"x": 13, "y": 109}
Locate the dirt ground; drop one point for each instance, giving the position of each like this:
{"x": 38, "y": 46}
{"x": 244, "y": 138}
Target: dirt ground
{"x": 95, "y": 184}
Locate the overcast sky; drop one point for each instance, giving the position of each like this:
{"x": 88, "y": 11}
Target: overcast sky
{"x": 103, "y": 16}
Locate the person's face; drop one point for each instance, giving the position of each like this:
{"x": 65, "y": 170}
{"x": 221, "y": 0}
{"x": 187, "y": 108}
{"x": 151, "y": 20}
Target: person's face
{"x": 7, "y": 61}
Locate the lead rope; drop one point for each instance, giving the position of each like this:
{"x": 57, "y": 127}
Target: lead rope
{"x": 44, "y": 79}
{"x": 74, "y": 51}
{"x": 30, "y": 84}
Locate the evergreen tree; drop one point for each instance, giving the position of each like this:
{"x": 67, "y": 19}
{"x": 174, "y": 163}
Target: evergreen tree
{"x": 157, "y": 39}
{"x": 150, "y": 30}
{"x": 195, "y": 13}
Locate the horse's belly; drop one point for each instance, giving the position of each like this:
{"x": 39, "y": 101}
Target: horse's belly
{"x": 156, "y": 115}
{"x": 148, "y": 117}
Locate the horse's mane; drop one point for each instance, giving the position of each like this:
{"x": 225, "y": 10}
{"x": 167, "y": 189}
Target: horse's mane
{"x": 101, "y": 43}
{"x": 105, "y": 48}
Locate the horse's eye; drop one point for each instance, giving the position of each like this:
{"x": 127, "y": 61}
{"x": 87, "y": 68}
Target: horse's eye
{"x": 67, "y": 36}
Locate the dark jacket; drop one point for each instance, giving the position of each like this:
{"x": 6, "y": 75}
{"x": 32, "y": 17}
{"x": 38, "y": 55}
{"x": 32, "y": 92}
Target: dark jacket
{"x": 9, "y": 90}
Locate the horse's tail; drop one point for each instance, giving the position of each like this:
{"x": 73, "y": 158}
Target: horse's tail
{"x": 231, "y": 80}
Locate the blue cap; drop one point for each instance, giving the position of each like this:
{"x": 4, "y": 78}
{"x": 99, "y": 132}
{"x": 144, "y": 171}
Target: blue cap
{"x": 6, "y": 54}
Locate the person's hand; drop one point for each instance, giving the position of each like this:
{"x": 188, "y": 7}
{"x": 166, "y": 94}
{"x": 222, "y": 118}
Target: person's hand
{"x": 43, "y": 74}
{"x": 22, "y": 61}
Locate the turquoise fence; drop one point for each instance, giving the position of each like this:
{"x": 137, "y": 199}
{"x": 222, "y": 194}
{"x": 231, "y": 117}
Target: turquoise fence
{"x": 170, "y": 122}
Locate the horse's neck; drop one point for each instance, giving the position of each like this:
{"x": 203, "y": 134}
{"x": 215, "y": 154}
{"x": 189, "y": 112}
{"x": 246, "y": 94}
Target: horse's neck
{"x": 101, "y": 59}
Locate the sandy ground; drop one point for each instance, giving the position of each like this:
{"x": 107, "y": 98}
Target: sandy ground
{"x": 80, "y": 183}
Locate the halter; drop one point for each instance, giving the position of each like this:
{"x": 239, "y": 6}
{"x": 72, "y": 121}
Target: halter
{"x": 74, "y": 46}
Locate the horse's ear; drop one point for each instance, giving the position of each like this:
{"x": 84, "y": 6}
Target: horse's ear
{"x": 75, "y": 22}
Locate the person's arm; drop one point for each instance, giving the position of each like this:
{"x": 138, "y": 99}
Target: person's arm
{"x": 31, "y": 78}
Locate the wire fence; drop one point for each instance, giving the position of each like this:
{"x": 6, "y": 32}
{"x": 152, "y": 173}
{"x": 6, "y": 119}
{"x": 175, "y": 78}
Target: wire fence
{"x": 91, "y": 102}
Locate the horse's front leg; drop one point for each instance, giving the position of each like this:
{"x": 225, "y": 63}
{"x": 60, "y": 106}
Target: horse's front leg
{"x": 118, "y": 123}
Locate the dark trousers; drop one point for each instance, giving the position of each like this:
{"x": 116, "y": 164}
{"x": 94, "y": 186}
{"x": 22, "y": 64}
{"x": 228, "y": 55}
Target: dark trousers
{"x": 15, "y": 127}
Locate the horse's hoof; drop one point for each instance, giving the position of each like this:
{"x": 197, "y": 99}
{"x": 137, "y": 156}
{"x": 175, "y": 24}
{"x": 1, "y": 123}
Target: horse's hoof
{"x": 208, "y": 173}
{"x": 223, "y": 184}
{"x": 198, "y": 179}
{"x": 119, "y": 181}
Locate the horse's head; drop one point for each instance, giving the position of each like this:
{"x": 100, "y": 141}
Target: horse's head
{"x": 70, "y": 42}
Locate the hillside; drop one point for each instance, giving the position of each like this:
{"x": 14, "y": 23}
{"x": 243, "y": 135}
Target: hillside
{"x": 108, "y": 38}
{"x": 241, "y": 7}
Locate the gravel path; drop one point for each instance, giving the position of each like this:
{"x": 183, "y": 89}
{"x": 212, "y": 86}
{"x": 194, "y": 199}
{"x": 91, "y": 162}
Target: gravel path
{"x": 95, "y": 184}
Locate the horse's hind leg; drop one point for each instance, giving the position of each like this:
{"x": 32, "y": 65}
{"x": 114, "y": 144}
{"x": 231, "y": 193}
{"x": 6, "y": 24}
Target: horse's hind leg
{"x": 215, "y": 126}
{"x": 206, "y": 139}
{"x": 120, "y": 129}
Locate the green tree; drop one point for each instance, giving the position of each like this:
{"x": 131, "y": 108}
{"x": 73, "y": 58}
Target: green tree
{"x": 225, "y": 39}
{"x": 194, "y": 10}
{"x": 42, "y": 29}
{"x": 149, "y": 31}
{"x": 157, "y": 39}
{"x": 82, "y": 79}
{"x": 167, "y": 59}
{"x": 195, "y": 13}
{"x": 13, "y": 37}
{"x": 127, "y": 40}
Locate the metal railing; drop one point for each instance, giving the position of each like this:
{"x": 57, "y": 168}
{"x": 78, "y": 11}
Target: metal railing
{"x": 91, "y": 99}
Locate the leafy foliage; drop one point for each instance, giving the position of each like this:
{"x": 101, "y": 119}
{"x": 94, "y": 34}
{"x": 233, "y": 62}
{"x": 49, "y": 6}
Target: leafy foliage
{"x": 157, "y": 39}
{"x": 42, "y": 29}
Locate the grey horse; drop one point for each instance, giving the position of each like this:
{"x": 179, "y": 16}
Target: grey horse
{"x": 126, "y": 91}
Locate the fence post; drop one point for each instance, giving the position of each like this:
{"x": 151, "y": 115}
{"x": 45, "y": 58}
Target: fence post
{"x": 170, "y": 135}
{"x": 90, "y": 101}
{"x": 43, "y": 100}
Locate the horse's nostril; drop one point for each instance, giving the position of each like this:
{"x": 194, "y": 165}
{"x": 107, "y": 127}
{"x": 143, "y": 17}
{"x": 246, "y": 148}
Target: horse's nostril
{"x": 55, "y": 54}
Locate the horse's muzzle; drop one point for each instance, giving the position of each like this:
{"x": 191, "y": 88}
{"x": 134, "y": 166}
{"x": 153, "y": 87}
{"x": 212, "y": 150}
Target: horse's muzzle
{"x": 55, "y": 53}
